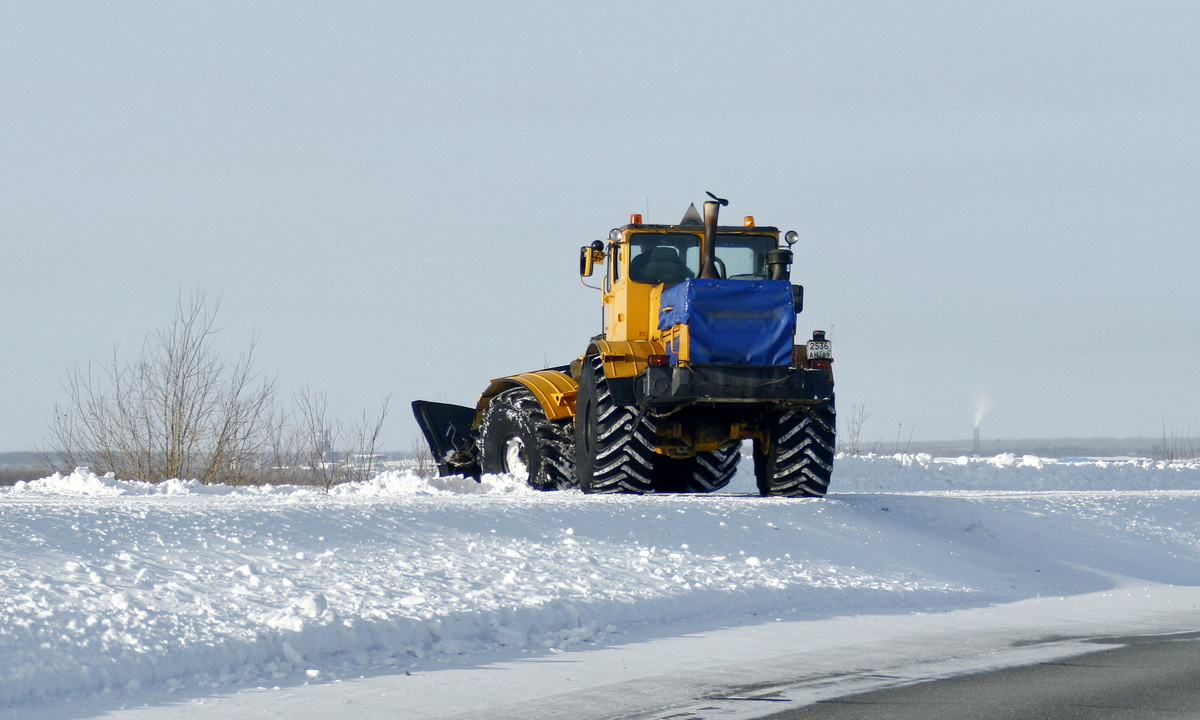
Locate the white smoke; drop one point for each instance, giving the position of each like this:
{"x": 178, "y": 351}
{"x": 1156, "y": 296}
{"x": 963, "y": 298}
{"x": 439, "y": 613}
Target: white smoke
{"x": 982, "y": 405}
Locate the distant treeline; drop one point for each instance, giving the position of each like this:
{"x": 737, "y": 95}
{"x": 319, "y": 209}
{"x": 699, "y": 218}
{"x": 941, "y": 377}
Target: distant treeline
{"x": 8, "y": 459}
{"x": 16, "y": 466}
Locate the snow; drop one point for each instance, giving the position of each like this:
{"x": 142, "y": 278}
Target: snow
{"x": 120, "y": 594}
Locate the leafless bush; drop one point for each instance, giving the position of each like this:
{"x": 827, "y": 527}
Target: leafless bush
{"x": 854, "y": 425}
{"x": 328, "y": 451}
{"x": 180, "y": 410}
{"x": 1177, "y": 447}
{"x": 908, "y": 444}
{"x": 423, "y": 464}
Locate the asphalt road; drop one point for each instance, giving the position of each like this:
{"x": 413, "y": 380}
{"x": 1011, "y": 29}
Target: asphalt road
{"x": 1150, "y": 677}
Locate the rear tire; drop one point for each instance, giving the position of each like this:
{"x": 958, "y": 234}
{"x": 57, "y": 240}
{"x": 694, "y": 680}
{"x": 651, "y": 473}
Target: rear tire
{"x": 614, "y": 451}
{"x": 517, "y": 438}
{"x": 798, "y": 461}
{"x": 702, "y": 473}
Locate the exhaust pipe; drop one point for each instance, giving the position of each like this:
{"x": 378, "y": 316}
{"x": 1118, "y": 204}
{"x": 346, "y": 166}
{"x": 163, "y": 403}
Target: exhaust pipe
{"x": 708, "y": 245}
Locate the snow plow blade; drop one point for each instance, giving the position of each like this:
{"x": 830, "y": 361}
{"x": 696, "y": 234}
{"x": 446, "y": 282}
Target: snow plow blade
{"x": 447, "y": 429}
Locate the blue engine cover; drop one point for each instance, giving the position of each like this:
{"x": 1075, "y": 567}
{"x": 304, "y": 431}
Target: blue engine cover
{"x": 735, "y": 322}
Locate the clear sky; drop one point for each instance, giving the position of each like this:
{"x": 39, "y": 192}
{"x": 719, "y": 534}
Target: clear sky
{"x": 999, "y": 202}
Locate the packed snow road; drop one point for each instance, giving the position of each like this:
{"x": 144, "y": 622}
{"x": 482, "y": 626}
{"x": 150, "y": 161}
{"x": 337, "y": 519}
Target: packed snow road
{"x": 181, "y": 597}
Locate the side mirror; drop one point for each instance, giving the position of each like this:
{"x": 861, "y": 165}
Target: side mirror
{"x": 589, "y": 255}
{"x": 586, "y": 266}
{"x": 798, "y": 298}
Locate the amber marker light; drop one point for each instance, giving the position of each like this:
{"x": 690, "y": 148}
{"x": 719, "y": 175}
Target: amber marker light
{"x": 749, "y": 221}
{"x": 635, "y": 219}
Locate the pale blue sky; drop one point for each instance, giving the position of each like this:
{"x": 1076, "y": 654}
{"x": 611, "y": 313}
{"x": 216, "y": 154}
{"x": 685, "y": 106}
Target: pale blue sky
{"x": 994, "y": 198}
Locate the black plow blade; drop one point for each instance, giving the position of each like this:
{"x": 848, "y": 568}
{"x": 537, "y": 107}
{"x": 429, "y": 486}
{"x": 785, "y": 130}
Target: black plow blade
{"x": 447, "y": 429}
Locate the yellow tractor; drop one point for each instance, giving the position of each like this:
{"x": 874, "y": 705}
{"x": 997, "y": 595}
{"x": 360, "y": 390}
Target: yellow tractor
{"x": 697, "y": 355}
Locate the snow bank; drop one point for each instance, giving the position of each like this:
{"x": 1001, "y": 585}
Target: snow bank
{"x": 391, "y": 483}
{"x": 852, "y": 473}
{"x": 110, "y": 586}
{"x": 869, "y": 473}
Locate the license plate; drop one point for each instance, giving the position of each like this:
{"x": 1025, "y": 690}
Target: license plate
{"x": 819, "y": 350}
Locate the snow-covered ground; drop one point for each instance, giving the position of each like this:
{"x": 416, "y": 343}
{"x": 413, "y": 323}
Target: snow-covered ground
{"x": 411, "y": 598}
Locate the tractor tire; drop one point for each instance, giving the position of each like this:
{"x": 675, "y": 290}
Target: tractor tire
{"x": 614, "y": 451}
{"x": 703, "y": 473}
{"x": 798, "y": 460}
{"x": 517, "y": 438}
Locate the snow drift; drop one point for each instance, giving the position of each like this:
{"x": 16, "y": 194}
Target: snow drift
{"x": 112, "y": 586}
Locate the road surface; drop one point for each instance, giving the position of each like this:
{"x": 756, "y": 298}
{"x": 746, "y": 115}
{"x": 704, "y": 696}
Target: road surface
{"x": 1147, "y": 677}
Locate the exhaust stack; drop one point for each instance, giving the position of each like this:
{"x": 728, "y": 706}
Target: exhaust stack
{"x": 708, "y": 246}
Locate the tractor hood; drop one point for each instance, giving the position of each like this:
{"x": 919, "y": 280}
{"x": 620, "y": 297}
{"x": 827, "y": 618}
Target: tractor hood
{"x": 736, "y": 322}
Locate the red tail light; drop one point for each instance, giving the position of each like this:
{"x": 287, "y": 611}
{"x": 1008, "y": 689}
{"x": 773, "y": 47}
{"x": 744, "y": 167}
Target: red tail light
{"x": 659, "y": 360}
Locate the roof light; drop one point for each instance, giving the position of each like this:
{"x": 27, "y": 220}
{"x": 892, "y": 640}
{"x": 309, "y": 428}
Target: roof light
{"x": 635, "y": 219}
{"x": 749, "y": 221}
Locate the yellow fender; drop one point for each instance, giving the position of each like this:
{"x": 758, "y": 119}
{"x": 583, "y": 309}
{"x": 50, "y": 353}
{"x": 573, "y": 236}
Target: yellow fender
{"x": 555, "y": 390}
{"x": 626, "y": 358}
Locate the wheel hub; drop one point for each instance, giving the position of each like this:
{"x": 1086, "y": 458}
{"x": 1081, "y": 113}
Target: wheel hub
{"x": 515, "y": 463}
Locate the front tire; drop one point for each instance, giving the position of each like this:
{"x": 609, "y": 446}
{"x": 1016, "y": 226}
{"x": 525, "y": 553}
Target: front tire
{"x": 516, "y": 437}
{"x": 614, "y": 450}
{"x": 798, "y": 460}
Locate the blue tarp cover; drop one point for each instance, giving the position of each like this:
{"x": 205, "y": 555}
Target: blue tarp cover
{"x": 738, "y": 322}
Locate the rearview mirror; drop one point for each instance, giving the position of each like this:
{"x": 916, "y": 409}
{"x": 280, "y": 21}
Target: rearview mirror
{"x": 589, "y": 255}
{"x": 586, "y": 266}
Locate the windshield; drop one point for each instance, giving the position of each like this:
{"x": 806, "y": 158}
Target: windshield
{"x": 673, "y": 257}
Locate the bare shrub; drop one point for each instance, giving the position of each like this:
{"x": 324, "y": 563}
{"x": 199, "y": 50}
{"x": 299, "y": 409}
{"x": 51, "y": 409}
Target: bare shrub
{"x": 1177, "y": 447}
{"x": 422, "y": 456}
{"x": 854, "y": 425}
{"x": 179, "y": 410}
{"x": 908, "y": 443}
{"x": 327, "y": 450}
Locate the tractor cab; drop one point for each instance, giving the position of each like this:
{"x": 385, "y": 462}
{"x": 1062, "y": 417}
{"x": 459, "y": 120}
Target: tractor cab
{"x": 644, "y": 261}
